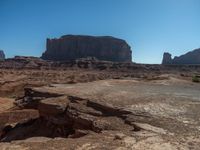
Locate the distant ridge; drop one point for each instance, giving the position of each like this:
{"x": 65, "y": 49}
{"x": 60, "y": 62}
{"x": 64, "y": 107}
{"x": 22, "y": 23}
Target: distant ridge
{"x": 192, "y": 57}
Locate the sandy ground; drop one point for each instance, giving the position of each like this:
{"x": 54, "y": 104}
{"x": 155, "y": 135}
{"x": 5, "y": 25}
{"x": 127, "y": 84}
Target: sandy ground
{"x": 6, "y": 104}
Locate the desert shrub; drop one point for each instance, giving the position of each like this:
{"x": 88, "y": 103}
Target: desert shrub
{"x": 196, "y": 78}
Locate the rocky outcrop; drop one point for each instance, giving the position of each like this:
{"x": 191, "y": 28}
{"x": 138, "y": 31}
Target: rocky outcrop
{"x": 167, "y": 58}
{"x": 24, "y": 62}
{"x": 2, "y": 55}
{"x": 192, "y": 57}
{"x": 71, "y": 47}
{"x": 64, "y": 116}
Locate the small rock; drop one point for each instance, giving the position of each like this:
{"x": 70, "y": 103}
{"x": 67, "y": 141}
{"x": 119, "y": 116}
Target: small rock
{"x": 119, "y": 136}
{"x": 79, "y": 133}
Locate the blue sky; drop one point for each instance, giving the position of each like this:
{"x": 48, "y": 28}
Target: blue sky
{"x": 149, "y": 26}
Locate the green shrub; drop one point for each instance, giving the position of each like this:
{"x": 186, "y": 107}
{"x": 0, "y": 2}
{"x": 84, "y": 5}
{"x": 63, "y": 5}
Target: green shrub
{"x": 196, "y": 78}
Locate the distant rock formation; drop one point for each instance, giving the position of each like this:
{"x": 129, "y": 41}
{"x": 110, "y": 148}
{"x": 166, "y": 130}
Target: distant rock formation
{"x": 2, "y": 55}
{"x": 192, "y": 58}
{"x": 167, "y": 58}
{"x": 71, "y": 47}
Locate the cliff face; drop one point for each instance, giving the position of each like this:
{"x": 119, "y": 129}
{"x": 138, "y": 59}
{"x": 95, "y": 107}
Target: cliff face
{"x": 70, "y": 47}
{"x": 2, "y": 55}
{"x": 192, "y": 57}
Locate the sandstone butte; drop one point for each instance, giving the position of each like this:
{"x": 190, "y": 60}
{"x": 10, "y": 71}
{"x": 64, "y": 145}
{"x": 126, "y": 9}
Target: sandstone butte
{"x": 71, "y": 47}
{"x": 2, "y": 55}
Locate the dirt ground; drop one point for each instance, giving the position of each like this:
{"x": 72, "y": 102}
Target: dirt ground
{"x": 156, "y": 112}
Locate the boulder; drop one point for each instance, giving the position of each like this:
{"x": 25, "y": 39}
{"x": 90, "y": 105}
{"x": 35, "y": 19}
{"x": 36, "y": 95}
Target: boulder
{"x": 52, "y": 106}
{"x": 71, "y": 47}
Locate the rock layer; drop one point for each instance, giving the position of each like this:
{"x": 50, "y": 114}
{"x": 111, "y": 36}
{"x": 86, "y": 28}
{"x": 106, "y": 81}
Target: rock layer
{"x": 71, "y": 47}
{"x": 192, "y": 57}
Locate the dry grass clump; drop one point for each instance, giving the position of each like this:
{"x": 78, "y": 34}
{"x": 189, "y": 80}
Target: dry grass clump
{"x": 196, "y": 78}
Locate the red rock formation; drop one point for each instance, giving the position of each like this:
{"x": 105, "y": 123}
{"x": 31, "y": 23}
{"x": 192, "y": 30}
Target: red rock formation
{"x": 192, "y": 57}
{"x": 2, "y": 55}
{"x": 71, "y": 47}
{"x": 167, "y": 58}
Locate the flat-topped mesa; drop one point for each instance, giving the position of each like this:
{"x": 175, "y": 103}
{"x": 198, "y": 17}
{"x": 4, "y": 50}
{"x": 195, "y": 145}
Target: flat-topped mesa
{"x": 2, "y": 55}
{"x": 71, "y": 47}
{"x": 191, "y": 58}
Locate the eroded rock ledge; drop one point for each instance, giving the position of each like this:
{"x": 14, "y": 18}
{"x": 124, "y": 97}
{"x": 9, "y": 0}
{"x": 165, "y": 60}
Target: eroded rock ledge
{"x": 65, "y": 116}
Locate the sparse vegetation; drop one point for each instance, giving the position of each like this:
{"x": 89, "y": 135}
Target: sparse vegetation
{"x": 196, "y": 78}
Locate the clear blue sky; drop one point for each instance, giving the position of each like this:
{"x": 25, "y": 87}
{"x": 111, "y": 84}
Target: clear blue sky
{"x": 149, "y": 26}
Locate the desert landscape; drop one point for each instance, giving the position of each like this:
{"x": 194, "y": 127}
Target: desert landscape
{"x": 99, "y": 75}
{"x": 87, "y": 103}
